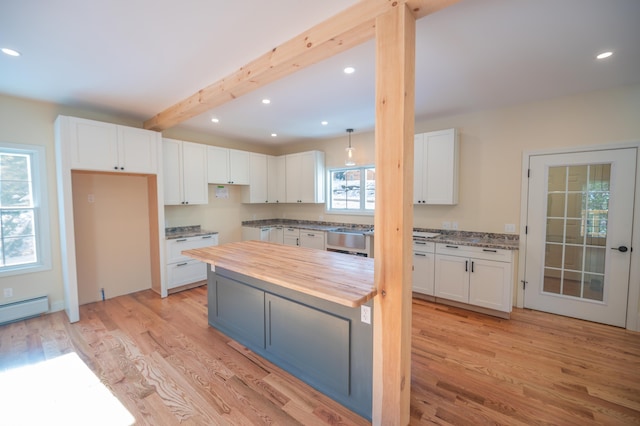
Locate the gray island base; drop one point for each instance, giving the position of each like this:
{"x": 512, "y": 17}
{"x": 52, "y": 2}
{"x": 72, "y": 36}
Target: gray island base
{"x": 322, "y": 343}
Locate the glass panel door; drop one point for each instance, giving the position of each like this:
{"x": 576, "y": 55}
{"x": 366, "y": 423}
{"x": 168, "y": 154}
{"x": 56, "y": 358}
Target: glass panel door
{"x": 576, "y": 236}
{"x": 578, "y": 245}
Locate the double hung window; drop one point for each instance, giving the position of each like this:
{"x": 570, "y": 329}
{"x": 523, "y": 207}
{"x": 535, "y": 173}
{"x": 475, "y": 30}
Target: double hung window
{"x": 352, "y": 190}
{"x": 24, "y": 244}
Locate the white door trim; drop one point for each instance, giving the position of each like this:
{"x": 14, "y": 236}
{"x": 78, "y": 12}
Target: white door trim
{"x": 633, "y": 303}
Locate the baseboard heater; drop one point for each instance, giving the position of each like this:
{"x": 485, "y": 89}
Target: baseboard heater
{"x": 18, "y": 311}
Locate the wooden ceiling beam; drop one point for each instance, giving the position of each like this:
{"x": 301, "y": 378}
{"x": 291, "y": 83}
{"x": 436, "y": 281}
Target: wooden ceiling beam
{"x": 341, "y": 32}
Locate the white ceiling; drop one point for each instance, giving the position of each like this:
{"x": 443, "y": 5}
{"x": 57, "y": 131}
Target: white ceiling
{"x": 136, "y": 58}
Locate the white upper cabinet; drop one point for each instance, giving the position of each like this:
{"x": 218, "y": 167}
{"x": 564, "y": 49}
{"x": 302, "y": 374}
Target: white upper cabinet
{"x": 256, "y": 192}
{"x": 228, "y": 166}
{"x": 305, "y": 177}
{"x": 276, "y": 179}
{"x": 436, "y": 157}
{"x": 94, "y": 145}
{"x": 185, "y": 173}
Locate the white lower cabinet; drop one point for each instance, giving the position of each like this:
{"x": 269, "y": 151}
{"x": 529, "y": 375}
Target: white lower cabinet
{"x": 312, "y": 239}
{"x": 423, "y": 267}
{"x": 291, "y": 237}
{"x": 183, "y": 270}
{"x": 276, "y": 235}
{"x": 474, "y": 275}
{"x": 252, "y": 233}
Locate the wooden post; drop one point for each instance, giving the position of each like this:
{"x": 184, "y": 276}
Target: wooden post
{"x": 395, "y": 84}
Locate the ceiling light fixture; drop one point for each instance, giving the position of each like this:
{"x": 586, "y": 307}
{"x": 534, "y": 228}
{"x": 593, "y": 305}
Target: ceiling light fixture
{"x": 604, "y": 55}
{"x": 349, "y": 70}
{"x": 324, "y": 123}
{"x": 215, "y": 120}
{"x": 266, "y": 101}
{"x": 273, "y": 135}
{"x": 10, "y": 52}
{"x": 350, "y": 161}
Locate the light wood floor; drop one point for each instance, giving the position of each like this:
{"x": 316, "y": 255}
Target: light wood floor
{"x": 167, "y": 366}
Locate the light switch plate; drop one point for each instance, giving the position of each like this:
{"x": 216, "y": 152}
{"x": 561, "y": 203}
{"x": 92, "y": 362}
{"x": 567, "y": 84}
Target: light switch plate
{"x": 509, "y": 227}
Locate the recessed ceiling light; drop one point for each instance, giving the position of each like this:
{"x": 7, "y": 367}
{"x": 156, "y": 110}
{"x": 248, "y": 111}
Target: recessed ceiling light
{"x": 324, "y": 123}
{"x": 10, "y": 52}
{"x": 273, "y": 135}
{"x": 215, "y": 120}
{"x": 266, "y": 101}
{"x": 604, "y": 55}
{"x": 349, "y": 70}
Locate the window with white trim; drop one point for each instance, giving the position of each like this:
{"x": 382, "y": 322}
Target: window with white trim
{"x": 352, "y": 190}
{"x": 24, "y": 231}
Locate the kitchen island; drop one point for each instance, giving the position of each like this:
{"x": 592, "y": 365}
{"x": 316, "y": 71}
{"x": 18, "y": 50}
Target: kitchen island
{"x": 299, "y": 308}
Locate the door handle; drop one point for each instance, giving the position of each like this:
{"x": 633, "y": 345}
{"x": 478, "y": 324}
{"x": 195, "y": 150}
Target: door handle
{"x": 621, "y": 249}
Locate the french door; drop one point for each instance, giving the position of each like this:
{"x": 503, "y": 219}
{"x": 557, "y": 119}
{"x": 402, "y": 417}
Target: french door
{"x": 578, "y": 249}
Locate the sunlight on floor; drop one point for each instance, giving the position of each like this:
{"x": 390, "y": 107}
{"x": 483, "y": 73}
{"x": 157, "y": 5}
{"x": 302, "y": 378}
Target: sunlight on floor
{"x": 62, "y": 390}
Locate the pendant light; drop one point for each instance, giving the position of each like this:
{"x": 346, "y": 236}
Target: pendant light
{"x": 350, "y": 160}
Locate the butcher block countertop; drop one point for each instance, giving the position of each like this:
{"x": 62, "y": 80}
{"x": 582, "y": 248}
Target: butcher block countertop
{"x": 339, "y": 278}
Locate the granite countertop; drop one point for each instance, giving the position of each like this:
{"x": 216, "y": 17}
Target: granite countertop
{"x": 186, "y": 231}
{"x": 475, "y": 239}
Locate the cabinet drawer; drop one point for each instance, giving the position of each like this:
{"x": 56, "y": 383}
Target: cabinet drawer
{"x": 291, "y": 232}
{"x": 187, "y": 272}
{"x": 424, "y": 246}
{"x": 176, "y": 246}
{"x": 498, "y": 255}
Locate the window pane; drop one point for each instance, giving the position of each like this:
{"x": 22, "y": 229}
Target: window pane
{"x": 15, "y": 194}
{"x": 17, "y": 223}
{"x": 17, "y": 209}
{"x": 352, "y": 189}
{"x": 18, "y": 251}
{"x": 370, "y": 184}
{"x": 14, "y": 167}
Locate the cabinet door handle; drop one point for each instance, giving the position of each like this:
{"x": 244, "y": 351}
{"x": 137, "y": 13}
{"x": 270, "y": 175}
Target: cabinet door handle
{"x": 181, "y": 240}
{"x": 448, "y": 246}
{"x": 206, "y": 236}
{"x": 466, "y": 266}
{"x": 472, "y": 263}
{"x": 311, "y": 235}
{"x": 490, "y": 251}
{"x": 181, "y": 264}
{"x": 420, "y": 243}
{"x": 420, "y": 254}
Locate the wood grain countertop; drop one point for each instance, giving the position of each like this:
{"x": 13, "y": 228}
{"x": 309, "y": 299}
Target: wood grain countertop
{"x": 339, "y": 278}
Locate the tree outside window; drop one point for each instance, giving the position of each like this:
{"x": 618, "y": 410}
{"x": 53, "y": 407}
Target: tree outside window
{"x": 17, "y": 210}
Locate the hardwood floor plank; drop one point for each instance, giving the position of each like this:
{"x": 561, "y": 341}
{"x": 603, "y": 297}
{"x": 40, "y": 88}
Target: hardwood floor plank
{"x": 168, "y": 366}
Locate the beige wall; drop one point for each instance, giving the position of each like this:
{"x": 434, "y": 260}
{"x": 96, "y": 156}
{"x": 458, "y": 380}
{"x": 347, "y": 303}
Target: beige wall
{"x": 491, "y": 147}
{"x": 492, "y": 143}
{"x": 24, "y": 121}
{"x": 111, "y": 224}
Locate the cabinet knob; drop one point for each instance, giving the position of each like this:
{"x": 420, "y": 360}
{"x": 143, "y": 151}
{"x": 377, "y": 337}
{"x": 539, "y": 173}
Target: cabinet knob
{"x": 115, "y": 168}
{"x": 121, "y": 168}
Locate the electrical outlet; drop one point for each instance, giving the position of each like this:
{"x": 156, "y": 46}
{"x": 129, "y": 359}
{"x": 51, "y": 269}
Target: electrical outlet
{"x": 91, "y": 198}
{"x": 454, "y": 225}
{"x": 446, "y": 225}
{"x": 365, "y": 314}
{"x": 320, "y": 217}
{"x": 509, "y": 227}
{"x": 8, "y": 292}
